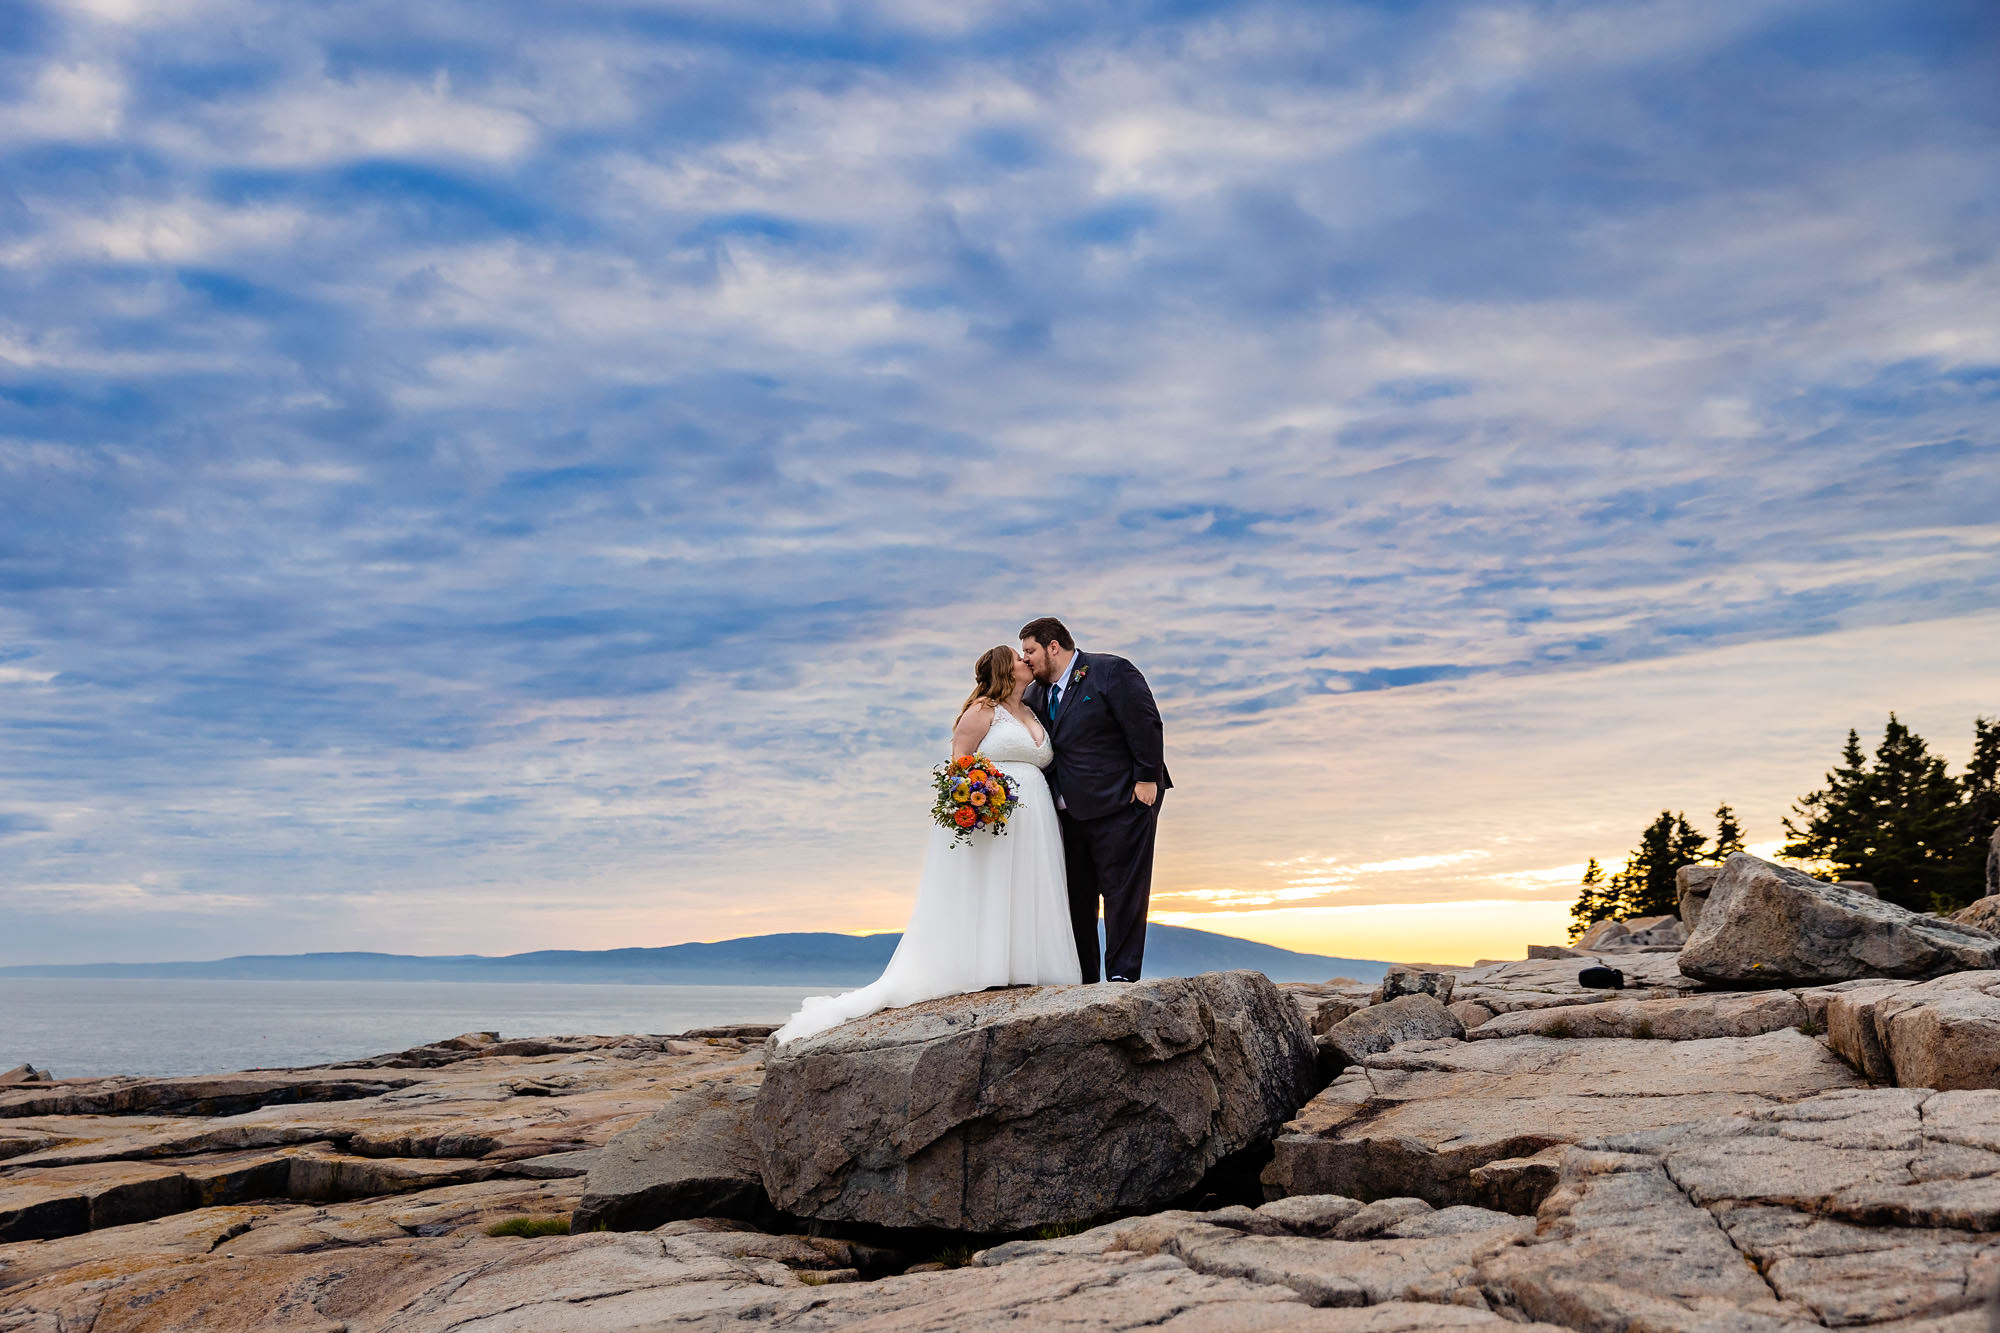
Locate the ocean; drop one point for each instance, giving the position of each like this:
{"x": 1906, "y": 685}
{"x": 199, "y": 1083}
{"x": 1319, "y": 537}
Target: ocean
{"x": 75, "y": 1026}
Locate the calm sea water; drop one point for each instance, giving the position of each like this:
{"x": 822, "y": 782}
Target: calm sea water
{"x": 79, "y": 1027}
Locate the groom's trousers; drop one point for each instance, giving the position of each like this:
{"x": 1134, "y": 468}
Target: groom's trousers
{"x": 1111, "y": 859}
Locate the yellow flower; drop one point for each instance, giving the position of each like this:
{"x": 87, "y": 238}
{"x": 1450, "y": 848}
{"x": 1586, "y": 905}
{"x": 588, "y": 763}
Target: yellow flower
{"x": 961, "y": 791}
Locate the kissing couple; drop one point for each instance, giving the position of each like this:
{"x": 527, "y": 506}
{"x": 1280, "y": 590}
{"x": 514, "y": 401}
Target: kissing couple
{"x": 1078, "y": 736}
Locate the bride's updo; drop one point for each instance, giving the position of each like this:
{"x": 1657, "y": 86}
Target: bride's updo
{"x": 992, "y": 677}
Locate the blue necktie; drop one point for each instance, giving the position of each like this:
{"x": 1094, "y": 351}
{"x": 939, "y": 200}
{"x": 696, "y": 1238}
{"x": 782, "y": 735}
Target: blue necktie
{"x": 1055, "y": 698}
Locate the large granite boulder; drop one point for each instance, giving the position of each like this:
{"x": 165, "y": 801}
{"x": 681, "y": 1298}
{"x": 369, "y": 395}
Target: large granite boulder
{"x": 1605, "y": 934}
{"x": 1469, "y": 1013}
{"x": 1474, "y": 1122}
{"x": 1322, "y": 1004}
{"x": 1332, "y": 1010}
{"x": 1692, "y": 885}
{"x": 1766, "y": 925}
{"x": 1641, "y": 932}
{"x": 1414, "y": 1017}
{"x": 1942, "y": 1034}
{"x": 1011, "y": 1109}
{"x": 1655, "y": 932}
{"x": 1983, "y": 914}
{"x": 694, "y": 1157}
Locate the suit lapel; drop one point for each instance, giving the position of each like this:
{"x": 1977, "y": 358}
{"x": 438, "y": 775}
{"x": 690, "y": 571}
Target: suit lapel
{"x": 1070, "y": 696}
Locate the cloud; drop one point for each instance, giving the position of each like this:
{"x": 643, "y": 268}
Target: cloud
{"x": 325, "y": 121}
{"x": 144, "y": 896}
{"x": 77, "y": 102}
{"x": 137, "y": 13}
{"x": 481, "y": 458}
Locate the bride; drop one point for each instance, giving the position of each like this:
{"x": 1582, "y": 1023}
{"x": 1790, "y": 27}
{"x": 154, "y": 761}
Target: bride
{"x": 993, "y": 912}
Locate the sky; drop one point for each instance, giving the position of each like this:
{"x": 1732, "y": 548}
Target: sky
{"x": 484, "y": 477}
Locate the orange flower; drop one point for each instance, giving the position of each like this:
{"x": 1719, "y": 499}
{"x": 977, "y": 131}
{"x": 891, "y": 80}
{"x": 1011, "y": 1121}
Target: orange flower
{"x": 978, "y": 798}
{"x": 966, "y": 816}
{"x": 962, "y": 763}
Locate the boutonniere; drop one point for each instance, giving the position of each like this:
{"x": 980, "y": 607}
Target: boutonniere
{"x": 1082, "y": 670}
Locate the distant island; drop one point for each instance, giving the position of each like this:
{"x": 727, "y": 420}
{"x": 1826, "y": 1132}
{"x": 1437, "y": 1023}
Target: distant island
{"x": 805, "y": 959}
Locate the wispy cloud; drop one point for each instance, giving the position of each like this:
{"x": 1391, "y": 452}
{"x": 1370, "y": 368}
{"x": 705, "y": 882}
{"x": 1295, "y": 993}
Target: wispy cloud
{"x": 484, "y": 456}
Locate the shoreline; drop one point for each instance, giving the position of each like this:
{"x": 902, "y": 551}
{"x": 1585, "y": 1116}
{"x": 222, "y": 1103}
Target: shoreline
{"x": 1496, "y": 1148}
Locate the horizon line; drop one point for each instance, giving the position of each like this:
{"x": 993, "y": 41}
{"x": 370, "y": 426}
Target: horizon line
{"x": 732, "y": 939}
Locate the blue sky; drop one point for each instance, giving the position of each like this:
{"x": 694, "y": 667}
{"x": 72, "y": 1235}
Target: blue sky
{"x": 487, "y": 476}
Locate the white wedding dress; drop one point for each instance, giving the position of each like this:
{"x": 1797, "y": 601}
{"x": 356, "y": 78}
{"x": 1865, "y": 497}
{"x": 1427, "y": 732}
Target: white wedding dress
{"x": 992, "y": 912}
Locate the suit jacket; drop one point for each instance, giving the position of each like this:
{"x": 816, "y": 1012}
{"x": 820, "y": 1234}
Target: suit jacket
{"x": 1107, "y": 735}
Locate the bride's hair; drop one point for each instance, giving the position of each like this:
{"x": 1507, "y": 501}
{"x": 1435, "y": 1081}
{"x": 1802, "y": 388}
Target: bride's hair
{"x": 992, "y": 676}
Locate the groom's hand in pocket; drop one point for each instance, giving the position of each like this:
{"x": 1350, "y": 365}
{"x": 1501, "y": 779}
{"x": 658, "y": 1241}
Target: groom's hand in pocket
{"x": 1145, "y": 793}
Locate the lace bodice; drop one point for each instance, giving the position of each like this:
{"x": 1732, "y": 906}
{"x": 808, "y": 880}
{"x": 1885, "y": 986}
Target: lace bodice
{"x": 1008, "y": 741}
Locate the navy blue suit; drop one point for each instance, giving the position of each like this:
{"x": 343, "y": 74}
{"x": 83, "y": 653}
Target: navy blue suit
{"x": 1108, "y": 738}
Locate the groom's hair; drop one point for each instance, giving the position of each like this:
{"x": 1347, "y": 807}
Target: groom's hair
{"x": 1046, "y": 630}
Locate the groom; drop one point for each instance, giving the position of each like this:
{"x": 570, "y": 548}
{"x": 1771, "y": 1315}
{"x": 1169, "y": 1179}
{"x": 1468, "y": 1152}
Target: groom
{"x": 1108, "y": 777}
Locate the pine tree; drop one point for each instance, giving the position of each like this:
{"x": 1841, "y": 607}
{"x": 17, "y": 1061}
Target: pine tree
{"x": 1686, "y": 848}
{"x": 1592, "y": 904}
{"x": 1835, "y": 821}
{"x": 1918, "y": 823}
{"x": 1646, "y": 885}
{"x": 1728, "y": 835}
{"x": 1978, "y": 871}
{"x": 1896, "y": 822}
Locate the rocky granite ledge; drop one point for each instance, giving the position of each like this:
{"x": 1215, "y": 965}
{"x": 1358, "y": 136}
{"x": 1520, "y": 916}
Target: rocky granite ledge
{"x": 1860, "y": 1208}
{"x": 1715, "y": 1147}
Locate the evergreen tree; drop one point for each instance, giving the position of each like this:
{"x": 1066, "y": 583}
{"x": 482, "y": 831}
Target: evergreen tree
{"x": 1978, "y": 873}
{"x": 1646, "y": 885}
{"x": 1835, "y": 821}
{"x": 1728, "y": 835}
{"x": 1896, "y": 822}
{"x": 1592, "y": 904}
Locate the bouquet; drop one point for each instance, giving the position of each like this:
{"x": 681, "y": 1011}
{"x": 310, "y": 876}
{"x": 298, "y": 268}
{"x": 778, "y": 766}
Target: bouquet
{"x": 972, "y": 795}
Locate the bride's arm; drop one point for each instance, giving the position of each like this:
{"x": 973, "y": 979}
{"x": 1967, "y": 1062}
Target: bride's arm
{"x": 973, "y": 724}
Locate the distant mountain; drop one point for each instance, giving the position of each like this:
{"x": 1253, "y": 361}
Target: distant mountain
{"x": 757, "y": 960}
